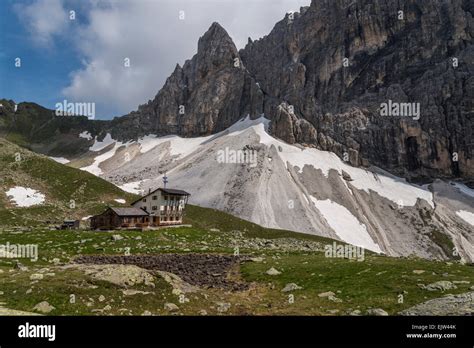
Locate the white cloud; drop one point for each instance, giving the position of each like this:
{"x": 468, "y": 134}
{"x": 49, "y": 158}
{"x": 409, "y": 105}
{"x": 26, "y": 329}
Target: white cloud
{"x": 44, "y": 19}
{"x": 153, "y": 37}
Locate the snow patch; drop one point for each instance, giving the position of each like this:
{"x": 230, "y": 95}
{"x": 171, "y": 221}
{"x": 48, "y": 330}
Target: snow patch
{"x": 464, "y": 189}
{"x": 94, "y": 167}
{"x": 346, "y": 225}
{"x": 120, "y": 200}
{"x": 61, "y": 160}
{"x": 85, "y": 135}
{"x": 388, "y": 186}
{"x": 25, "y": 197}
{"x": 466, "y": 216}
{"x": 132, "y": 187}
{"x": 180, "y": 147}
{"x": 99, "y": 145}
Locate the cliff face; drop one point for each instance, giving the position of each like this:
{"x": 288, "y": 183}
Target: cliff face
{"x": 338, "y": 61}
{"x": 206, "y": 95}
{"x": 323, "y": 74}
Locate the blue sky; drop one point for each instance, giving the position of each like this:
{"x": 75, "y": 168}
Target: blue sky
{"x": 81, "y": 60}
{"x": 44, "y": 70}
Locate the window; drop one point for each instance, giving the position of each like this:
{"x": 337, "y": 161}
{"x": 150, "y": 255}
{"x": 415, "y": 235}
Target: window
{"x": 154, "y": 207}
{"x": 144, "y": 199}
{"x": 155, "y": 198}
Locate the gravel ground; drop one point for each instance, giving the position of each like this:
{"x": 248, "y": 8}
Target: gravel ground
{"x": 209, "y": 271}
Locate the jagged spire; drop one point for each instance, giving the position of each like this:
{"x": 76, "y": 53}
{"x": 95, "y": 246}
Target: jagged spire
{"x": 216, "y": 48}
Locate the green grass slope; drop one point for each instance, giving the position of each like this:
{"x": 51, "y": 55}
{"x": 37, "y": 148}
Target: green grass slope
{"x": 207, "y": 218}
{"x": 40, "y": 130}
{"x": 392, "y": 284}
{"x": 376, "y": 282}
{"x": 70, "y": 193}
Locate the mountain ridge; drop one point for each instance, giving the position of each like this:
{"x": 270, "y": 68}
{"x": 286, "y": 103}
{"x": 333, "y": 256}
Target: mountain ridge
{"x": 296, "y": 77}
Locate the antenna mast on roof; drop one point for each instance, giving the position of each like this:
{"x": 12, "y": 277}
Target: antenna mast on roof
{"x": 165, "y": 180}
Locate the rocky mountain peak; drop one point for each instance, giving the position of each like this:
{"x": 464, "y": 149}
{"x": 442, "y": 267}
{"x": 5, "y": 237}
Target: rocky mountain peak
{"x": 215, "y": 49}
{"x": 322, "y": 76}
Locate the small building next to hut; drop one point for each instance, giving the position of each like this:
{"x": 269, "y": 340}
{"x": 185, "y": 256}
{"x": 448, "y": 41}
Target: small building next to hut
{"x": 114, "y": 218}
{"x": 161, "y": 207}
{"x": 70, "y": 225}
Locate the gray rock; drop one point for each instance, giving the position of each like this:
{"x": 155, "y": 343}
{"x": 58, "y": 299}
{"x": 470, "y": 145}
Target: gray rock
{"x": 171, "y": 307}
{"x": 222, "y": 307}
{"x": 461, "y": 282}
{"x": 334, "y": 299}
{"x": 291, "y": 287}
{"x": 273, "y": 271}
{"x": 131, "y": 292}
{"x": 377, "y": 312}
{"x": 441, "y": 285}
{"x": 461, "y": 304}
{"x": 326, "y": 294}
{"x": 36, "y": 276}
{"x": 18, "y": 265}
{"x": 43, "y": 307}
{"x": 257, "y": 259}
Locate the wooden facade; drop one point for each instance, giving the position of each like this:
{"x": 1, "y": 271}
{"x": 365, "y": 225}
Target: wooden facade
{"x": 114, "y": 218}
{"x": 162, "y": 207}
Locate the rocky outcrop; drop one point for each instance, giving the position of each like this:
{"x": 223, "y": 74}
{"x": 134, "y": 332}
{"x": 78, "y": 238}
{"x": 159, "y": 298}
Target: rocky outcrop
{"x": 336, "y": 62}
{"x": 208, "y": 94}
{"x": 337, "y": 75}
{"x": 323, "y": 74}
{"x": 461, "y": 304}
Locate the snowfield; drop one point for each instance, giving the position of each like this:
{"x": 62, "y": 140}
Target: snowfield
{"x": 464, "y": 189}
{"x": 94, "y": 167}
{"x": 61, "y": 160}
{"x": 466, "y": 216}
{"x": 85, "y": 135}
{"x": 25, "y": 197}
{"x": 346, "y": 225}
{"x": 100, "y": 145}
{"x": 390, "y": 187}
{"x": 180, "y": 147}
{"x": 132, "y": 187}
{"x": 293, "y": 188}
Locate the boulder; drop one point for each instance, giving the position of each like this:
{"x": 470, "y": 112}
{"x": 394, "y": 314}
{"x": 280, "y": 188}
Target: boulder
{"x": 291, "y": 287}
{"x": 43, "y": 307}
{"x": 273, "y": 271}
